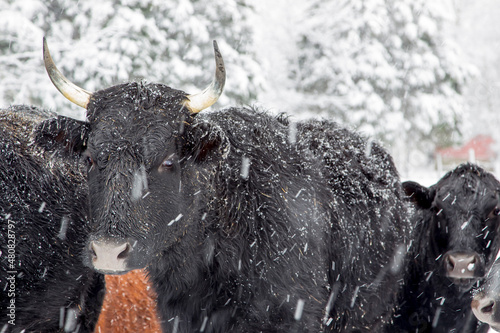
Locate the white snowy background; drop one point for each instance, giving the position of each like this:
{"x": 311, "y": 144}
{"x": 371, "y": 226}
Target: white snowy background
{"x": 414, "y": 74}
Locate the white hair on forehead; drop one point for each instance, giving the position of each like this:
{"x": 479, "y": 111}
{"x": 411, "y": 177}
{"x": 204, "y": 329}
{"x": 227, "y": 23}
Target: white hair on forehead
{"x": 140, "y": 183}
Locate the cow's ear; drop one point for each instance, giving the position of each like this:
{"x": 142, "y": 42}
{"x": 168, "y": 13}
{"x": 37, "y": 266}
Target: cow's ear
{"x": 419, "y": 195}
{"x": 204, "y": 142}
{"x": 63, "y": 135}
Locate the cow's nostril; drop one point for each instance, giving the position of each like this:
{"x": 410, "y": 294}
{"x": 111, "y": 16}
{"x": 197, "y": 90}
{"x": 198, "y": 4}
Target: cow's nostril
{"x": 450, "y": 265}
{"x": 124, "y": 254}
{"x": 488, "y": 308}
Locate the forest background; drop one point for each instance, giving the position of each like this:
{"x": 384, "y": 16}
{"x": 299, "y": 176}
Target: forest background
{"x": 416, "y": 75}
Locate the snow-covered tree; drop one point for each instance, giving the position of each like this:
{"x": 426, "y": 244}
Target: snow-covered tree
{"x": 99, "y": 43}
{"x": 385, "y": 67}
{"x": 478, "y": 31}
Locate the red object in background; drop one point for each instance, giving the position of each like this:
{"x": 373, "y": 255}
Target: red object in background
{"x": 129, "y": 305}
{"x": 482, "y": 145}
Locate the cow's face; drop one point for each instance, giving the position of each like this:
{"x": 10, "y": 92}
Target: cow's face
{"x": 463, "y": 222}
{"x": 140, "y": 147}
{"x": 133, "y": 159}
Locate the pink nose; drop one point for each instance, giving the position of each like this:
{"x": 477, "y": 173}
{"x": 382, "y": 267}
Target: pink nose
{"x": 461, "y": 265}
{"x": 109, "y": 257}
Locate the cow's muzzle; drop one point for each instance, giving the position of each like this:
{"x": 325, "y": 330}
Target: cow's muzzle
{"x": 463, "y": 265}
{"x": 110, "y": 257}
{"x": 486, "y": 309}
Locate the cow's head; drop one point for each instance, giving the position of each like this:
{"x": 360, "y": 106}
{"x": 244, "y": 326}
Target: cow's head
{"x": 461, "y": 214}
{"x": 486, "y": 302}
{"x": 142, "y": 148}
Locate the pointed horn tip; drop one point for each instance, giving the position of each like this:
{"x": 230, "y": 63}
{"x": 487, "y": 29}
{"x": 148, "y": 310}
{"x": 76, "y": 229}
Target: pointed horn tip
{"x": 216, "y": 47}
{"x": 46, "y": 53}
{"x": 220, "y": 70}
{"x": 47, "y": 59}
{"x": 218, "y": 55}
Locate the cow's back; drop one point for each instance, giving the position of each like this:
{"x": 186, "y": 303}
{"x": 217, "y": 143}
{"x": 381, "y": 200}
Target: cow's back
{"x": 356, "y": 182}
{"x": 374, "y": 228}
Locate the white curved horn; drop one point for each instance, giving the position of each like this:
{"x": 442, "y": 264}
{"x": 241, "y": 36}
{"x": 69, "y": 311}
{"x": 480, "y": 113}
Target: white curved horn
{"x": 210, "y": 95}
{"x": 75, "y": 94}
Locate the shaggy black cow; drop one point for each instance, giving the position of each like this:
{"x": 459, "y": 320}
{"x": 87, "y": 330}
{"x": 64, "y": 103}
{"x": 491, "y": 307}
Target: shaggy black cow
{"x": 44, "y": 286}
{"x": 485, "y": 304}
{"x": 246, "y": 222}
{"x": 455, "y": 245}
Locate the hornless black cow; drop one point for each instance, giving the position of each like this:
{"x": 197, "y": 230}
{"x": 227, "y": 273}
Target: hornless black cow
{"x": 455, "y": 245}
{"x": 246, "y": 222}
{"x": 485, "y": 304}
{"x": 44, "y": 286}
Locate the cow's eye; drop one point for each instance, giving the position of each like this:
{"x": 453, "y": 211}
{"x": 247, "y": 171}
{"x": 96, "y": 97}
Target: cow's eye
{"x": 494, "y": 213}
{"x": 167, "y": 164}
{"x": 88, "y": 160}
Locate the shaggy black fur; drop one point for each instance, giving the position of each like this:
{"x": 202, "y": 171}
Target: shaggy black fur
{"x": 43, "y": 221}
{"x": 246, "y": 222}
{"x": 459, "y": 213}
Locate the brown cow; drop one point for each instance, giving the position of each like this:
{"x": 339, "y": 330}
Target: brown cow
{"x": 129, "y": 305}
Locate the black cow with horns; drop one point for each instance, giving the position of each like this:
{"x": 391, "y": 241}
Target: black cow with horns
{"x": 44, "y": 285}
{"x": 456, "y": 241}
{"x": 246, "y": 222}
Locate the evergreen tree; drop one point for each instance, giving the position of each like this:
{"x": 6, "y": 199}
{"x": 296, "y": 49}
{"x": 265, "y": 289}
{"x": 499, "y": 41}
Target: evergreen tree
{"x": 100, "y": 43}
{"x": 385, "y": 67}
